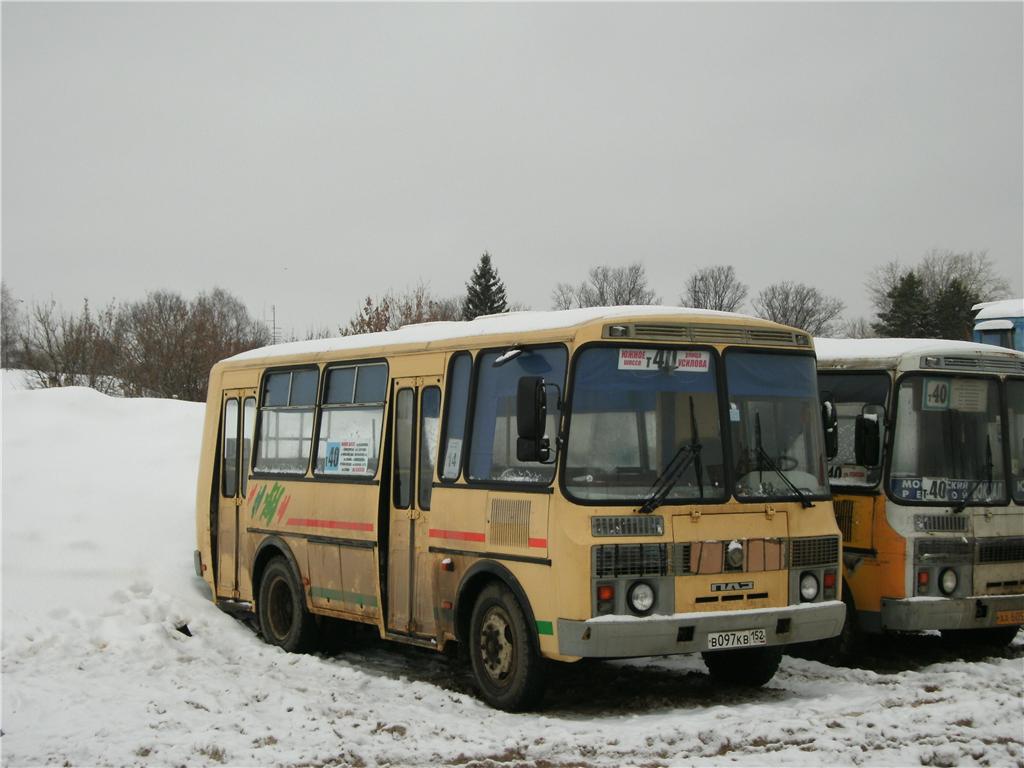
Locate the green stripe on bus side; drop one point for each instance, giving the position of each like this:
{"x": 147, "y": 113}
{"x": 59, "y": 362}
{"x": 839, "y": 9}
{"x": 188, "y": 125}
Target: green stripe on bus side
{"x": 545, "y": 628}
{"x": 344, "y": 597}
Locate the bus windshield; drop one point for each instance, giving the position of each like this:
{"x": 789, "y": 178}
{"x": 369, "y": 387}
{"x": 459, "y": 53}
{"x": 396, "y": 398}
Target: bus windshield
{"x": 1015, "y": 410}
{"x": 775, "y": 425}
{"x": 948, "y": 442}
{"x": 634, "y": 411}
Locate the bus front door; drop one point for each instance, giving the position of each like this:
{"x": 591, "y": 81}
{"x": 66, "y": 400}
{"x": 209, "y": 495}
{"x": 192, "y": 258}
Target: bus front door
{"x": 410, "y": 580}
{"x": 238, "y": 419}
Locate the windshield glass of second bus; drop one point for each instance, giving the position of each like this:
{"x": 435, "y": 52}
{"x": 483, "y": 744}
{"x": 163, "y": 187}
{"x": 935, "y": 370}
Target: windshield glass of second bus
{"x": 635, "y": 411}
{"x": 948, "y": 442}
{"x": 775, "y": 424}
{"x": 1015, "y": 410}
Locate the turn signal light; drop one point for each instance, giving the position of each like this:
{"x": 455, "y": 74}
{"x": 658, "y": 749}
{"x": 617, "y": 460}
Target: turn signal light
{"x": 605, "y": 593}
{"x": 829, "y": 580}
{"x": 922, "y": 581}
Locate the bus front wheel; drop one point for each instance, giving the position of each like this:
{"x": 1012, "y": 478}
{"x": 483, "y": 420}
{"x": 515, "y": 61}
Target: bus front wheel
{"x": 745, "y": 666}
{"x": 506, "y": 662}
{"x": 284, "y": 620}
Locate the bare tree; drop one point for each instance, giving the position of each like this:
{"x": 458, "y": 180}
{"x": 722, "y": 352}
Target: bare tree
{"x": 393, "y": 310}
{"x": 937, "y": 270}
{"x": 715, "y": 288}
{"x": 856, "y": 328}
{"x": 10, "y": 328}
{"x": 799, "y": 305}
{"x": 65, "y": 350}
{"x": 606, "y": 286}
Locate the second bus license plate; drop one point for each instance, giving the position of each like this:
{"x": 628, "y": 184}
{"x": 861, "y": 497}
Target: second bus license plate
{"x": 1009, "y": 617}
{"x": 744, "y": 638}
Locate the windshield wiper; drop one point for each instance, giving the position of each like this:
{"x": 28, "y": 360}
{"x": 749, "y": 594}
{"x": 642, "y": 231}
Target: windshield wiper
{"x": 762, "y": 455}
{"x": 688, "y": 453}
{"x": 989, "y": 466}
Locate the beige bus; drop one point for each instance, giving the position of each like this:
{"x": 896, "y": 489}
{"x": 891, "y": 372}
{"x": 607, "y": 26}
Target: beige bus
{"x": 606, "y": 482}
{"x": 928, "y": 484}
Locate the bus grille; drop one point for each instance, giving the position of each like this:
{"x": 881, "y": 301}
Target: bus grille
{"x": 510, "y": 522}
{"x": 844, "y": 517}
{"x": 940, "y": 523}
{"x": 817, "y": 550}
{"x": 611, "y": 560}
{"x": 660, "y": 331}
{"x": 708, "y": 334}
{"x": 983, "y": 363}
{"x": 627, "y": 525}
{"x": 1001, "y": 550}
{"x": 956, "y": 550}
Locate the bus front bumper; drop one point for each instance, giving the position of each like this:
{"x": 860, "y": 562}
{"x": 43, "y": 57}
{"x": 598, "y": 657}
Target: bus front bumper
{"x": 918, "y": 613}
{"x": 624, "y": 636}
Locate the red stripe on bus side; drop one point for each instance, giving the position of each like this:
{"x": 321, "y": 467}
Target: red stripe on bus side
{"x": 538, "y": 543}
{"x": 344, "y": 525}
{"x": 436, "y": 533}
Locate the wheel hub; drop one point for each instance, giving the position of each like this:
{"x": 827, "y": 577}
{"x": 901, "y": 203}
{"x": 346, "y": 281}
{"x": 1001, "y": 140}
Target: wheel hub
{"x": 496, "y": 646}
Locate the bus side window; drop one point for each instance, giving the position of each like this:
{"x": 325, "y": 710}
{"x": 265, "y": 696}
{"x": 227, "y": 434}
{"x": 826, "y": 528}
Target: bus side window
{"x": 404, "y": 444}
{"x": 459, "y": 372}
{"x": 430, "y": 413}
{"x": 351, "y": 417}
{"x": 248, "y": 428}
{"x": 286, "y": 420}
{"x": 494, "y": 433}
{"x": 229, "y": 450}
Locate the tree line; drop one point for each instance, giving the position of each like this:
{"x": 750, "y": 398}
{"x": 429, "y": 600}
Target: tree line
{"x": 164, "y": 345}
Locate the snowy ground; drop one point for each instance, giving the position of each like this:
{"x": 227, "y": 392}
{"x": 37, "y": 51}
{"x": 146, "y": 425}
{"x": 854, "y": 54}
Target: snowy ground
{"x": 97, "y": 574}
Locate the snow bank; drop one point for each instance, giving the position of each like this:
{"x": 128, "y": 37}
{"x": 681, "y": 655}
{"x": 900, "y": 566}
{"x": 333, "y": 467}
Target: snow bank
{"x": 97, "y": 574}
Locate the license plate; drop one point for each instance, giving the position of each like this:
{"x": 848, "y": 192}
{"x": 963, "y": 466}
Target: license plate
{"x": 1009, "y": 617}
{"x": 744, "y": 638}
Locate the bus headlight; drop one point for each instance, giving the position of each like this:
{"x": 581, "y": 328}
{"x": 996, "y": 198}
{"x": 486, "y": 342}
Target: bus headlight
{"x": 808, "y": 587}
{"x": 948, "y": 581}
{"x": 641, "y": 597}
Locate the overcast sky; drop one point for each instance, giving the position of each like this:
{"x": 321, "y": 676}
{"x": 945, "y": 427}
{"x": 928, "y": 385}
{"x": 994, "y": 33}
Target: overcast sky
{"x": 309, "y": 155}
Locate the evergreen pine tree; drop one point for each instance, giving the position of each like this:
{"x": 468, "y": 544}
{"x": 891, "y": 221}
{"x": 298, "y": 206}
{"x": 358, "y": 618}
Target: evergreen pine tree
{"x": 952, "y": 315}
{"x": 909, "y": 314}
{"x": 485, "y": 293}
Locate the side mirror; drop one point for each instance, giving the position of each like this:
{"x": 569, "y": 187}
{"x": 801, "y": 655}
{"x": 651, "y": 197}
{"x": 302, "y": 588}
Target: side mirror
{"x": 830, "y": 420}
{"x": 531, "y": 420}
{"x": 867, "y": 438}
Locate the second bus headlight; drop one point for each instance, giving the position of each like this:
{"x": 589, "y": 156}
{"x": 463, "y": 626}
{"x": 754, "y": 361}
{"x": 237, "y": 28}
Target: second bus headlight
{"x": 808, "y": 587}
{"x": 948, "y": 581}
{"x": 641, "y": 597}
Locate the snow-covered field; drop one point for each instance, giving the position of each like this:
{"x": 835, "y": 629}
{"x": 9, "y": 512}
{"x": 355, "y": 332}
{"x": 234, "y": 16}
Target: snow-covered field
{"x": 97, "y": 576}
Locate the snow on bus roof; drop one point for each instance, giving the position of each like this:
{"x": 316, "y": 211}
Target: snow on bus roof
{"x": 849, "y": 350}
{"x": 988, "y": 310}
{"x": 486, "y": 325}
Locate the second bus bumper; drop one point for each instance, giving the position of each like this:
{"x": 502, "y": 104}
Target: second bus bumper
{"x": 619, "y": 637}
{"x": 914, "y": 614}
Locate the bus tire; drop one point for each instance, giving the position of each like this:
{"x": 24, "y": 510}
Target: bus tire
{"x": 990, "y": 637}
{"x": 751, "y": 667}
{"x": 284, "y": 620}
{"x": 503, "y": 652}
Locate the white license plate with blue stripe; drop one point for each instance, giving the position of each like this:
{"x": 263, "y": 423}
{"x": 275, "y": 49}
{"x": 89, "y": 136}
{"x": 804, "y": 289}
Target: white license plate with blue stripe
{"x": 743, "y": 638}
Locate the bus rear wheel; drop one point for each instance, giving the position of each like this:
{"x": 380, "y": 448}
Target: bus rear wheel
{"x": 503, "y": 653}
{"x": 284, "y": 620}
{"x": 744, "y": 666}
